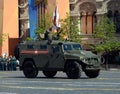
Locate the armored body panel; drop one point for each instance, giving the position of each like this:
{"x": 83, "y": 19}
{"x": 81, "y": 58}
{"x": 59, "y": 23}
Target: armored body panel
{"x": 65, "y": 56}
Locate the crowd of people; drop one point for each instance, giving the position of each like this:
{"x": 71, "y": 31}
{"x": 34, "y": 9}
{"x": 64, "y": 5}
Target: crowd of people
{"x": 8, "y": 63}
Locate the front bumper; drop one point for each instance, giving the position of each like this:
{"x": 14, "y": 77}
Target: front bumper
{"x": 91, "y": 67}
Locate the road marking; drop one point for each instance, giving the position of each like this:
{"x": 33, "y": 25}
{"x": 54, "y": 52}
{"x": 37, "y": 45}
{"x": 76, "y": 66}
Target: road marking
{"x": 7, "y": 93}
{"x": 61, "y": 89}
{"x": 93, "y": 83}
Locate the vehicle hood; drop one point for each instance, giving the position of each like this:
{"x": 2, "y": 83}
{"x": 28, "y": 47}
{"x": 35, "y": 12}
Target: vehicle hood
{"x": 82, "y": 53}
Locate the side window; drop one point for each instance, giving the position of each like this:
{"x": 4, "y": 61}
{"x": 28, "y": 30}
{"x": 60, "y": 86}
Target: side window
{"x": 43, "y": 47}
{"x": 55, "y": 49}
{"x": 30, "y": 46}
{"x": 67, "y": 47}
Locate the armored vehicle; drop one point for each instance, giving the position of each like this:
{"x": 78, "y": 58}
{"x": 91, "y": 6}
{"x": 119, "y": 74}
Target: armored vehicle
{"x": 65, "y": 56}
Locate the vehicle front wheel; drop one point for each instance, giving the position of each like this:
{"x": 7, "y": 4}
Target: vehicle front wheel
{"x": 73, "y": 70}
{"x": 30, "y": 70}
{"x": 49, "y": 74}
{"x": 92, "y": 74}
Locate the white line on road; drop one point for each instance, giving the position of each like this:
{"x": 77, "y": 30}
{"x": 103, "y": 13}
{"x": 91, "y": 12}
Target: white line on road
{"x": 60, "y": 88}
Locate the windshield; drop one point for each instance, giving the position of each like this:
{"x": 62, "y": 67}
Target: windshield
{"x": 70, "y": 47}
{"x": 77, "y": 47}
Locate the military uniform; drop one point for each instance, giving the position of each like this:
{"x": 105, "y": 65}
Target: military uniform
{"x": 0, "y": 63}
{"x": 14, "y": 63}
{"x": 3, "y": 64}
{"x": 48, "y": 35}
{"x": 10, "y": 64}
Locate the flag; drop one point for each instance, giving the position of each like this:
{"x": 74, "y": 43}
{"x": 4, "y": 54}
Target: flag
{"x": 32, "y": 17}
{"x": 56, "y": 22}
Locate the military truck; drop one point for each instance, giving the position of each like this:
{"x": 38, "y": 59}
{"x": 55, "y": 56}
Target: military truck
{"x": 50, "y": 58}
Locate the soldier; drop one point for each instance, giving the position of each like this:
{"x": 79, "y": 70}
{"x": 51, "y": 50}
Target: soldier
{"x": 14, "y": 63}
{"x": 0, "y": 63}
{"x": 48, "y": 35}
{"x": 3, "y": 63}
{"x": 10, "y": 64}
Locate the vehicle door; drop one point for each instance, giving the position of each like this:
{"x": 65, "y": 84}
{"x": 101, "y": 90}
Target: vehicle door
{"x": 56, "y": 57}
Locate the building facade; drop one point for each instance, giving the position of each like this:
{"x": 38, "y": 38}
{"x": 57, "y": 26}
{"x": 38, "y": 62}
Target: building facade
{"x": 8, "y": 25}
{"x": 90, "y": 11}
{"x": 31, "y": 12}
{"x": 20, "y": 18}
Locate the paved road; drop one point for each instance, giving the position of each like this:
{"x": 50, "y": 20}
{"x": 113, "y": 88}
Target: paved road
{"x": 15, "y": 83}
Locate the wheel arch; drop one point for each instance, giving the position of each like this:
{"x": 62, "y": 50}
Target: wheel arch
{"x": 71, "y": 60}
{"x": 28, "y": 59}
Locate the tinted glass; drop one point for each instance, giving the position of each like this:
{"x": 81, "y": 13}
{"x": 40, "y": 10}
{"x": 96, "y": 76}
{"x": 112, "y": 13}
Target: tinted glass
{"x": 43, "y": 47}
{"x": 67, "y": 47}
{"x": 55, "y": 49}
{"x": 77, "y": 47}
{"x": 30, "y": 46}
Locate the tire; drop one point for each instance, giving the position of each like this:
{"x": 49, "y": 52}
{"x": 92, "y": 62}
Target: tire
{"x": 49, "y": 74}
{"x": 29, "y": 69}
{"x": 73, "y": 70}
{"x": 92, "y": 74}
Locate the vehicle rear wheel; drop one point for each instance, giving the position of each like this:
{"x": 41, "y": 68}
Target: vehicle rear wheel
{"x": 30, "y": 70}
{"x": 92, "y": 74}
{"x": 49, "y": 74}
{"x": 73, "y": 70}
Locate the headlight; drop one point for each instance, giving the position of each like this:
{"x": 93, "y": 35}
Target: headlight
{"x": 81, "y": 58}
{"x": 85, "y": 60}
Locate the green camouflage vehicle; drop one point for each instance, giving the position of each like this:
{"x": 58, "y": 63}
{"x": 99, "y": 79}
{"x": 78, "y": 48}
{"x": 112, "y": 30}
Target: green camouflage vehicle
{"x": 65, "y": 56}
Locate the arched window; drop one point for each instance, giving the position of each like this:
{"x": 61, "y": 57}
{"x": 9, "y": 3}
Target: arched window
{"x": 117, "y": 20}
{"x": 88, "y": 17}
{"x": 115, "y": 17}
{"x": 114, "y": 13}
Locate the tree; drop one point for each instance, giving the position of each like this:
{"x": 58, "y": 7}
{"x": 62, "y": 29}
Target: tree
{"x": 104, "y": 33}
{"x": 69, "y": 29}
{"x": 44, "y": 23}
{"x": 106, "y": 41}
{"x": 2, "y": 38}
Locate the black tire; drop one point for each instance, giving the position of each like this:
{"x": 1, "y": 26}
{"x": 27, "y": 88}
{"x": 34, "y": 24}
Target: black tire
{"x": 29, "y": 69}
{"x": 92, "y": 74}
{"x": 73, "y": 70}
{"x": 49, "y": 74}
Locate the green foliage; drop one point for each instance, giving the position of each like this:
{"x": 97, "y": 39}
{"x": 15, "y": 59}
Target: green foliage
{"x": 29, "y": 39}
{"x": 65, "y": 28}
{"x": 44, "y": 23}
{"x": 2, "y": 38}
{"x": 105, "y": 34}
{"x": 70, "y": 29}
{"x": 105, "y": 29}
